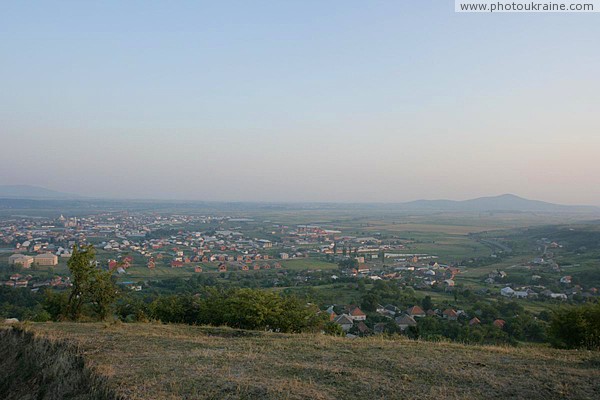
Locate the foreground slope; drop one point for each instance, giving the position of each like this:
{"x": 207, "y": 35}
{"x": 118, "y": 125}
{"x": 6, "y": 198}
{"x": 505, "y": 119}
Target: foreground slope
{"x": 32, "y": 367}
{"x": 145, "y": 361}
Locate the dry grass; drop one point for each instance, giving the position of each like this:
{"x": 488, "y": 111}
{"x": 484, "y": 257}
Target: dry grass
{"x": 154, "y": 361}
{"x": 32, "y": 367}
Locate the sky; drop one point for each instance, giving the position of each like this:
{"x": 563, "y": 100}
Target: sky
{"x": 311, "y": 100}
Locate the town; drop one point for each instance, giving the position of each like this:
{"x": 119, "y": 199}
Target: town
{"x": 336, "y": 264}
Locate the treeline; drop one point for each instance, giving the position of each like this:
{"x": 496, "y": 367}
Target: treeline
{"x": 237, "y": 308}
{"x": 516, "y": 329}
{"x": 23, "y": 304}
{"x": 567, "y": 327}
{"x": 519, "y": 325}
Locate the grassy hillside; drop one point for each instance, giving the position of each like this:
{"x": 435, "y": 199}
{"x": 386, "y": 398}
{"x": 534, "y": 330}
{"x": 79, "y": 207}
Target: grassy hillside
{"x": 34, "y": 368}
{"x": 171, "y": 361}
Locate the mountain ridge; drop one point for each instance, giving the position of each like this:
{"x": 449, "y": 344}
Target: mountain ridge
{"x": 34, "y": 192}
{"x": 503, "y": 202}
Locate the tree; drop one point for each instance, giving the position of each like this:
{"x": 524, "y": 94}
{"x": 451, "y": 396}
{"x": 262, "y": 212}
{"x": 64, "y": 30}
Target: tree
{"x": 576, "y": 327}
{"x": 348, "y": 263}
{"x": 333, "y": 329}
{"x": 103, "y": 293}
{"x": 55, "y": 303}
{"x": 90, "y": 285}
{"x": 426, "y": 303}
{"x": 369, "y": 302}
{"x": 361, "y": 286}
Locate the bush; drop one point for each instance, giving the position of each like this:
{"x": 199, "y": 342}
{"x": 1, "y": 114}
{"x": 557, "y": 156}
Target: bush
{"x": 239, "y": 308}
{"x": 576, "y": 327}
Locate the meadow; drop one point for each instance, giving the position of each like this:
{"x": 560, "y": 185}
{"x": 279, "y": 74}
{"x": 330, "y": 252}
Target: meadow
{"x": 142, "y": 361}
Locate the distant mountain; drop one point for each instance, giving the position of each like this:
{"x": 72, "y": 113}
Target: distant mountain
{"x": 34, "y": 192}
{"x": 505, "y": 202}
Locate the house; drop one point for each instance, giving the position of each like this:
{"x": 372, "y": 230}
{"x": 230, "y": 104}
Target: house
{"x": 391, "y": 309}
{"x": 531, "y": 293}
{"x": 198, "y": 269}
{"x": 416, "y": 311}
{"x": 405, "y": 321}
{"x": 572, "y": 291}
{"x": 453, "y": 271}
{"x": 284, "y": 256}
{"x": 357, "y": 315}
{"x": 222, "y": 268}
{"x": 267, "y": 244}
{"x": 474, "y": 321}
{"x": 450, "y": 314}
{"x": 363, "y": 329}
{"x": 499, "y": 323}
{"x": 521, "y": 294}
{"x": 245, "y": 267}
{"x": 345, "y": 321}
{"x": 379, "y": 328}
{"x": 176, "y": 264}
{"x": 507, "y": 292}
{"x": 566, "y": 279}
{"x": 363, "y": 268}
{"x": 151, "y": 264}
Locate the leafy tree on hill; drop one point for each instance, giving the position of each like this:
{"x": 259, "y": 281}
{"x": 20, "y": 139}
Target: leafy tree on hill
{"x": 426, "y": 303}
{"x": 369, "y": 302}
{"x": 90, "y": 285}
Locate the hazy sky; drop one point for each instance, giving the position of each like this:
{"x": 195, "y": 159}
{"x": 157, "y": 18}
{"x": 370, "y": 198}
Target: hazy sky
{"x": 299, "y": 100}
